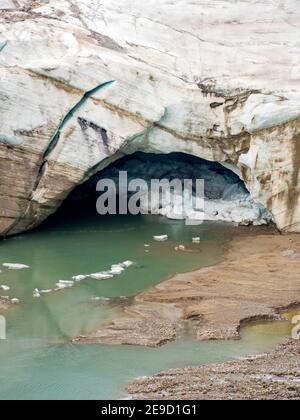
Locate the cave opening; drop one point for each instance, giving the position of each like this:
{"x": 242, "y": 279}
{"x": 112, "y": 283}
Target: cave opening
{"x": 226, "y": 198}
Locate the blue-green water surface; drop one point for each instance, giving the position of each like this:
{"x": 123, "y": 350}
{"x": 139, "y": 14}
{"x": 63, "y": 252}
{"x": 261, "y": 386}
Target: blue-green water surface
{"x": 38, "y": 361}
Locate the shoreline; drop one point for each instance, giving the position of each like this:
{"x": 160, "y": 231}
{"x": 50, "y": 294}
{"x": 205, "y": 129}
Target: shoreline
{"x": 258, "y": 280}
{"x": 271, "y": 376}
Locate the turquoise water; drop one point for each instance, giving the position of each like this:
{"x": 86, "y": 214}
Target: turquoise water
{"x": 37, "y": 361}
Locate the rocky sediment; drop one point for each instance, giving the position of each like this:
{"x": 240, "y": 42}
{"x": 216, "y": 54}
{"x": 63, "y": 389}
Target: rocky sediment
{"x": 216, "y": 81}
{"x": 149, "y": 325}
{"x": 259, "y": 280}
{"x": 4, "y": 304}
{"x": 274, "y": 376}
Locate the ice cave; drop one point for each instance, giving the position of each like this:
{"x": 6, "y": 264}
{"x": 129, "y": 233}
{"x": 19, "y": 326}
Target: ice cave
{"x": 226, "y": 199}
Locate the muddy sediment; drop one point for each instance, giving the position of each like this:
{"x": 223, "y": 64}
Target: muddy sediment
{"x": 5, "y": 304}
{"x": 259, "y": 280}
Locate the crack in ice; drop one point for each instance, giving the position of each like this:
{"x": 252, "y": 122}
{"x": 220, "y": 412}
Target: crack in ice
{"x": 54, "y": 140}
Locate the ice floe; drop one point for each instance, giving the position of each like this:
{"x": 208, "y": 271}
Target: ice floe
{"x": 101, "y": 276}
{"x": 15, "y": 266}
{"x": 80, "y": 277}
{"x": 65, "y": 284}
{"x": 127, "y": 264}
{"x": 15, "y": 301}
{"x": 36, "y": 293}
{"x": 116, "y": 269}
{"x": 100, "y": 299}
{"x": 161, "y": 238}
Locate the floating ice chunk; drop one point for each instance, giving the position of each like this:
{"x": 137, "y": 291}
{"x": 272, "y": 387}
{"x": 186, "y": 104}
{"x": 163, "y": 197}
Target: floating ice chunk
{"x": 80, "y": 277}
{"x": 117, "y": 269}
{"x": 196, "y": 240}
{"x": 64, "y": 284}
{"x": 15, "y": 266}
{"x": 117, "y": 266}
{"x": 161, "y": 238}
{"x": 102, "y": 299}
{"x": 5, "y": 288}
{"x": 67, "y": 282}
{"x": 15, "y": 301}
{"x": 36, "y": 293}
{"x": 127, "y": 264}
{"x": 101, "y": 276}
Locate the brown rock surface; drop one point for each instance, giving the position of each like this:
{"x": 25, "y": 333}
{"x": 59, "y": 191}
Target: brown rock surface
{"x": 145, "y": 325}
